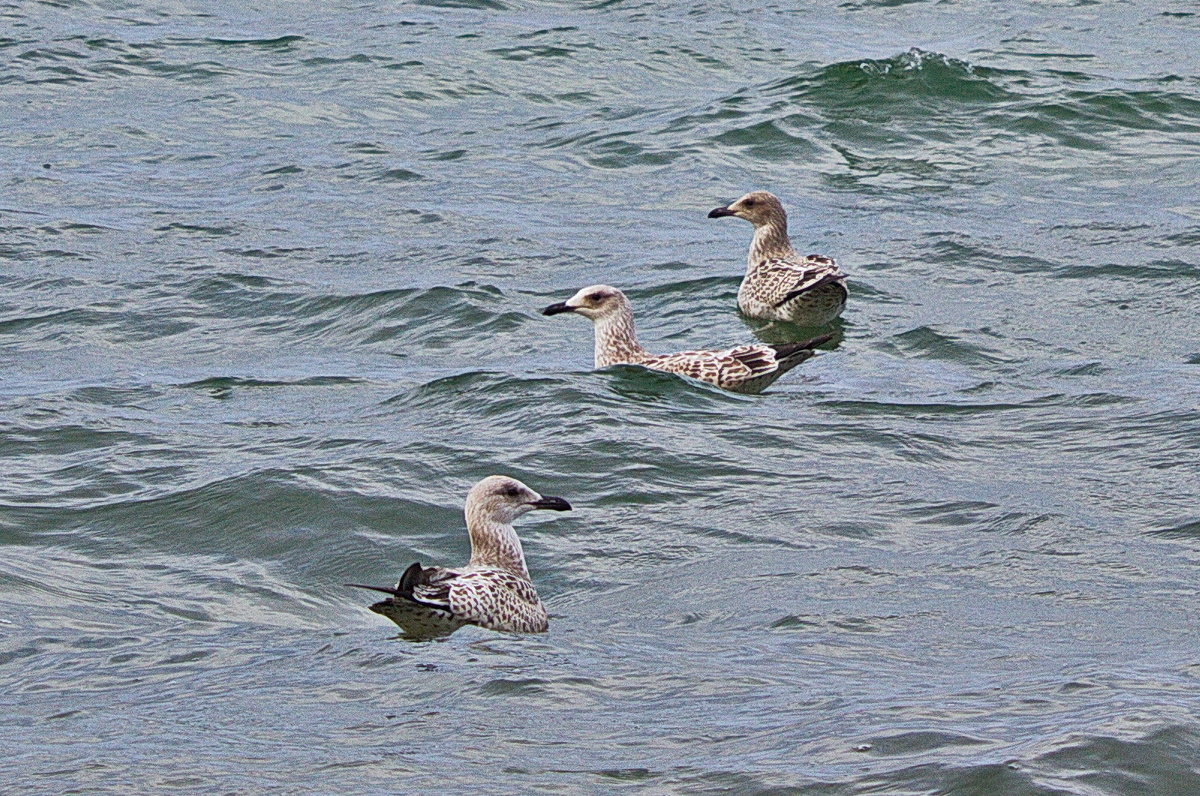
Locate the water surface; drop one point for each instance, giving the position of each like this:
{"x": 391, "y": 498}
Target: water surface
{"x": 269, "y": 290}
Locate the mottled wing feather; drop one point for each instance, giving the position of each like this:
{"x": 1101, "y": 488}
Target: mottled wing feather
{"x": 756, "y": 360}
{"x": 498, "y": 600}
{"x": 727, "y": 369}
{"x": 438, "y": 601}
{"x": 421, "y": 605}
{"x": 700, "y": 365}
{"x": 432, "y": 588}
{"x": 827, "y": 279}
{"x": 778, "y": 281}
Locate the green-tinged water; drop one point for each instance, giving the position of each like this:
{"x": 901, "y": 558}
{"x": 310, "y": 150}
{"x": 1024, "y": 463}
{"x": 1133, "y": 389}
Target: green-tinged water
{"x": 269, "y": 287}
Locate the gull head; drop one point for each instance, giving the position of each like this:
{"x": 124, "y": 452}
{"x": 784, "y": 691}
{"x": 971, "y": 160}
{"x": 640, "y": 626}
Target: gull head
{"x": 503, "y": 499}
{"x": 596, "y": 302}
{"x": 757, "y": 207}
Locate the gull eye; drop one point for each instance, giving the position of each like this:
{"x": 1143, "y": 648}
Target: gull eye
{"x": 750, "y": 202}
{"x": 596, "y": 297}
{"x": 510, "y": 491}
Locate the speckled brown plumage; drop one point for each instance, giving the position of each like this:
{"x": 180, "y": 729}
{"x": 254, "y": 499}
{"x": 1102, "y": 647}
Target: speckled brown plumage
{"x": 781, "y": 283}
{"x": 746, "y": 369}
{"x": 440, "y": 600}
{"x": 493, "y": 590}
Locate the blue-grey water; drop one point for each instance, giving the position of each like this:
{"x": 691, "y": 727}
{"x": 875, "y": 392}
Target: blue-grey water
{"x": 269, "y": 286}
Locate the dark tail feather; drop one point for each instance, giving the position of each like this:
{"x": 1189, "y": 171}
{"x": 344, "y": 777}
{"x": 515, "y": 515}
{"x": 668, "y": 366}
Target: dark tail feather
{"x": 409, "y": 579}
{"x": 402, "y": 589}
{"x": 384, "y": 589}
{"x": 790, "y": 350}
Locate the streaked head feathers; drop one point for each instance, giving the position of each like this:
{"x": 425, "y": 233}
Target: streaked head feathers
{"x": 760, "y": 208}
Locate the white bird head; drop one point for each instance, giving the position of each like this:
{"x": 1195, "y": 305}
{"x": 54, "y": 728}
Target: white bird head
{"x": 500, "y": 500}
{"x": 596, "y": 302}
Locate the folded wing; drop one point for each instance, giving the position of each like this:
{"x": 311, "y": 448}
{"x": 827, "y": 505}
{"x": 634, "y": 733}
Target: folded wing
{"x": 498, "y": 600}
{"x": 780, "y": 281}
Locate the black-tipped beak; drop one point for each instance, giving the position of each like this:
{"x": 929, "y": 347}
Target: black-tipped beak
{"x": 552, "y": 503}
{"x": 555, "y": 309}
{"x": 721, "y": 212}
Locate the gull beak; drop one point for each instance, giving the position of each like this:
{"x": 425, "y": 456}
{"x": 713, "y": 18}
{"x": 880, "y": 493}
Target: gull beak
{"x": 552, "y": 503}
{"x": 721, "y": 212}
{"x": 555, "y": 309}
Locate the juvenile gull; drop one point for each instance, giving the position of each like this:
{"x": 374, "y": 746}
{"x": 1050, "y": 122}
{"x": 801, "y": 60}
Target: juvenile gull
{"x": 493, "y": 590}
{"x": 780, "y": 283}
{"x": 747, "y": 368}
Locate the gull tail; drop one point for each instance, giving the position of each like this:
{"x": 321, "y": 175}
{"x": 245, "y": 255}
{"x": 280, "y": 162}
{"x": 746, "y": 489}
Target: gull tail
{"x": 383, "y": 589}
{"x": 402, "y": 589}
{"x": 795, "y": 353}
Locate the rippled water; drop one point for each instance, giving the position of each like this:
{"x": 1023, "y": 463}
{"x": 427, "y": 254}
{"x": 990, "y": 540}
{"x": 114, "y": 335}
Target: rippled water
{"x": 269, "y": 281}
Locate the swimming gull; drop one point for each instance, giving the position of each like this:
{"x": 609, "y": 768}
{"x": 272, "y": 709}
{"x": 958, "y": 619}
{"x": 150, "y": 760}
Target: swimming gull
{"x": 493, "y": 590}
{"x": 780, "y": 283}
{"x": 746, "y": 369}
